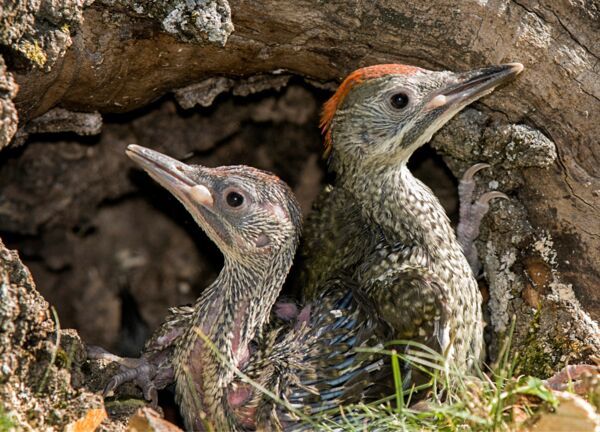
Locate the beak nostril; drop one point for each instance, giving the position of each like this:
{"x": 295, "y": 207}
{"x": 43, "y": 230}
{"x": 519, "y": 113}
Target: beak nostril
{"x": 180, "y": 168}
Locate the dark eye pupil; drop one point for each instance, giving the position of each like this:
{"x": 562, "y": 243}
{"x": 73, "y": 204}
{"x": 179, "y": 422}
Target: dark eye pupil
{"x": 234, "y": 199}
{"x": 399, "y": 100}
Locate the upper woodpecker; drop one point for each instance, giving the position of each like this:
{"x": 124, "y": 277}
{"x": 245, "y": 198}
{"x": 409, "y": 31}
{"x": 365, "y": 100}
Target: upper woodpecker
{"x": 384, "y": 229}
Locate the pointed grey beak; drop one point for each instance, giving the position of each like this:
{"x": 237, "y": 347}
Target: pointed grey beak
{"x": 173, "y": 175}
{"x": 470, "y": 86}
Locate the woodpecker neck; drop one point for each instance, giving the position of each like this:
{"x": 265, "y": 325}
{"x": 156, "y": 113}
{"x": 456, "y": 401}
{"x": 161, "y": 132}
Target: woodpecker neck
{"x": 228, "y": 314}
{"x": 404, "y": 208}
{"x": 237, "y": 301}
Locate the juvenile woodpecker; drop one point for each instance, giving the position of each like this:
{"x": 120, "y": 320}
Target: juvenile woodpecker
{"x": 309, "y": 360}
{"x": 384, "y": 229}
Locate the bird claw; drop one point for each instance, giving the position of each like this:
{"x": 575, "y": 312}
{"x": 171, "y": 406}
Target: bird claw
{"x": 488, "y": 196}
{"x": 466, "y": 185}
{"x": 470, "y": 173}
{"x": 98, "y": 353}
{"x": 137, "y": 370}
{"x": 141, "y": 375}
{"x": 151, "y": 395}
{"x": 471, "y": 213}
{"x": 111, "y": 386}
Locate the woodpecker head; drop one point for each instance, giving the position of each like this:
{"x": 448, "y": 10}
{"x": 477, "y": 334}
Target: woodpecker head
{"x": 383, "y": 113}
{"x": 250, "y": 214}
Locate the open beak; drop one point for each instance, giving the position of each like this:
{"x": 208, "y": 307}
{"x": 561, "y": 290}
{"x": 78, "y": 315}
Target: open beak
{"x": 470, "y": 86}
{"x": 173, "y": 175}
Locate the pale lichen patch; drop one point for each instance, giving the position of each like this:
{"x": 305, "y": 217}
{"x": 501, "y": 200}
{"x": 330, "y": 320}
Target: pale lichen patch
{"x": 501, "y": 279}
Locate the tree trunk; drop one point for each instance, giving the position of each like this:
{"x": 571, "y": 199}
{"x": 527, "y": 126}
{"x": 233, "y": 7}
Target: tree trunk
{"x": 99, "y": 251}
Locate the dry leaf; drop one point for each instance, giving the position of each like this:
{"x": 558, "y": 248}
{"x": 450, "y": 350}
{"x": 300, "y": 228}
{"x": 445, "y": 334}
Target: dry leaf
{"x": 148, "y": 420}
{"x": 88, "y": 423}
{"x": 573, "y": 414}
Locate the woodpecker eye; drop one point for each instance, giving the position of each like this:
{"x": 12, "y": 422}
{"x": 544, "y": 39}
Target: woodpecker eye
{"x": 234, "y": 199}
{"x": 399, "y": 100}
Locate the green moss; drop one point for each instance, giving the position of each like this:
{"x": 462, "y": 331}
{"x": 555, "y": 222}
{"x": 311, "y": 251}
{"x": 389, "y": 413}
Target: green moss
{"x": 543, "y": 357}
{"x": 34, "y": 52}
{"x": 532, "y": 359}
{"x": 62, "y": 359}
{"x": 6, "y": 421}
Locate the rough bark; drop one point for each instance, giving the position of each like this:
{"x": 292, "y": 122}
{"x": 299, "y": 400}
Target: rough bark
{"x": 41, "y": 384}
{"x": 8, "y": 112}
{"x": 540, "y": 249}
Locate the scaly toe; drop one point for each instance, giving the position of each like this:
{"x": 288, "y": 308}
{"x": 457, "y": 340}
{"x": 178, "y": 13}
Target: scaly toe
{"x": 151, "y": 394}
{"x": 466, "y": 187}
{"x": 121, "y": 378}
{"x": 572, "y": 376}
{"x": 471, "y": 213}
{"x": 98, "y": 353}
{"x": 110, "y": 387}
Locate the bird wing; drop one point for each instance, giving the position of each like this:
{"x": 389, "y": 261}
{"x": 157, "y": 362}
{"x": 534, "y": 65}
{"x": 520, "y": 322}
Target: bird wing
{"x": 409, "y": 301}
{"x": 174, "y": 325}
{"x": 316, "y": 367}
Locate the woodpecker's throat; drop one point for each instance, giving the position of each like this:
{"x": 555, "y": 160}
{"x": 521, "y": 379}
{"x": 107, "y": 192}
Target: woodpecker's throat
{"x": 228, "y": 315}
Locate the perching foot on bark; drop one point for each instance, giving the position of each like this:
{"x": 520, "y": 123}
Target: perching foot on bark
{"x": 471, "y": 214}
{"x": 141, "y": 371}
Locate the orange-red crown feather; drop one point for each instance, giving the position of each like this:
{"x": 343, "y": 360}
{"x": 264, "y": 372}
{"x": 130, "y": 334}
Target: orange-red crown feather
{"x": 355, "y": 78}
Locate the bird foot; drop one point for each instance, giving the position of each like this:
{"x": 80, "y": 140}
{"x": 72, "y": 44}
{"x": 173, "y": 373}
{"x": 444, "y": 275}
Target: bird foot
{"x": 286, "y": 311}
{"x": 471, "y": 213}
{"x": 577, "y": 378}
{"x": 137, "y": 370}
